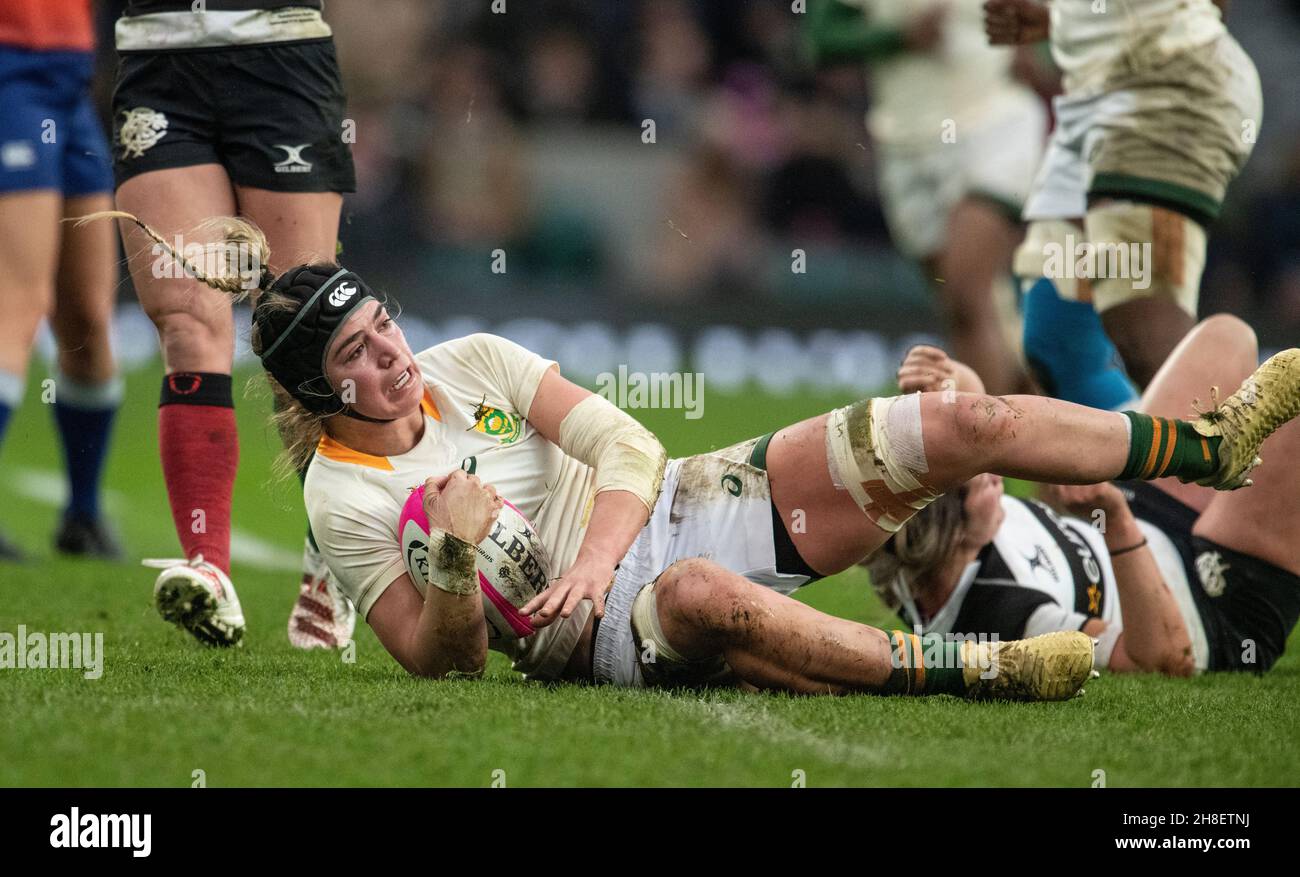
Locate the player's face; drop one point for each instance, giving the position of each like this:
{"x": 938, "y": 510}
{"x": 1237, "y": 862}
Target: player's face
{"x": 983, "y": 508}
{"x": 371, "y": 366}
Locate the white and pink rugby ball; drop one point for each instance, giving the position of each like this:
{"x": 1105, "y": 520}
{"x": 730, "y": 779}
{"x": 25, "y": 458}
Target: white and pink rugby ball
{"x": 513, "y": 565}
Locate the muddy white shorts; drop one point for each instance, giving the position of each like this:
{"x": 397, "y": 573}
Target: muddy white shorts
{"x": 717, "y": 506}
{"x": 1173, "y": 134}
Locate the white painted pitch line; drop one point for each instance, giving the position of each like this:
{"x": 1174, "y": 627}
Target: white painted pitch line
{"x": 781, "y": 733}
{"x": 49, "y": 488}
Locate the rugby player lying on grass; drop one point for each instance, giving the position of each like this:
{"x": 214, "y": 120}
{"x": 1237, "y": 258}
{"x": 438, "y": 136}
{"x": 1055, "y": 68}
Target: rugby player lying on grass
{"x": 381, "y": 420}
{"x": 1170, "y": 577}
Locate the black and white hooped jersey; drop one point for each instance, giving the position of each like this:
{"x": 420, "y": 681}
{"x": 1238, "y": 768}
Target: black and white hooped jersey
{"x": 1042, "y": 572}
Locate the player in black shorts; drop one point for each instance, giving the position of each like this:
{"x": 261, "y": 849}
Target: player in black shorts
{"x": 235, "y": 109}
{"x": 1171, "y": 577}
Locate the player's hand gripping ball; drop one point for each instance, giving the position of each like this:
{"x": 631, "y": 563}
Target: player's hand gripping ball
{"x": 513, "y": 565}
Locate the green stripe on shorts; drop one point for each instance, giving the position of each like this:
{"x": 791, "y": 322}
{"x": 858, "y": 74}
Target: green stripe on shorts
{"x": 1196, "y": 205}
{"x": 758, "y": 456}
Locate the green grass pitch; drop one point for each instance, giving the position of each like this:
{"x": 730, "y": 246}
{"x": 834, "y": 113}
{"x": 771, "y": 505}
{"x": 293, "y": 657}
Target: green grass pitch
{"x": 268, "y": 715}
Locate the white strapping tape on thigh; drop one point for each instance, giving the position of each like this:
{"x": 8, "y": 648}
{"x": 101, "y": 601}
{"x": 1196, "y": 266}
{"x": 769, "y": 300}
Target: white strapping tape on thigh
{"x": 1141, "y": 250}
{"x": 1048, "y": 244}
{"x": 876, "y": 452}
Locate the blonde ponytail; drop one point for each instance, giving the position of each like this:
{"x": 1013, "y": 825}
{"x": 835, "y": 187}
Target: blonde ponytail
{"x": 921, "y": 547}
{"x": 300, "y": 430}
{"x": 234, "y": 233}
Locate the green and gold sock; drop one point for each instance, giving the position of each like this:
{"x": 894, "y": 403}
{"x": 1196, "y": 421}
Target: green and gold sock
{"x": 1162, "y": 447}
{"x": 925, "y": 664}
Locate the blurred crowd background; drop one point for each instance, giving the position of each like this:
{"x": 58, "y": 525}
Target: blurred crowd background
{"x": 526, "y": 132}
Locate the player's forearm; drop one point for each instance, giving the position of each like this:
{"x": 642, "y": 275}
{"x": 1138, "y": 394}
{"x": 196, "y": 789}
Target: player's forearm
{"x": 837, "y": 34}
{"x": 1154, "y": 637}
{"x": 617, "y": 516}
{"x": 451, "y": 635}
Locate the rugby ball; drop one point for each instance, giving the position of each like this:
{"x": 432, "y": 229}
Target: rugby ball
{"x": 513, "y": 565}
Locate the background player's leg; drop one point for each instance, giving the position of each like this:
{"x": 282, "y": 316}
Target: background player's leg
{"x": 1145, "y": 331}
{"x": 196, "y": 420}
{"x": 1220, "y": 351}
{"x": 1167, "y": 253}
{"x": 1068, "y": 351}
{"x": 302, "y": 227}
{"x": 29, "y": 246}
{"x": 977, "y": 252}
{"x": 940, "y": 440}
{"x": 88, "y": 387}
{"x": 86, "y": 286}
{"x": 194, "y": 323}
{"x": 29, "y": 242}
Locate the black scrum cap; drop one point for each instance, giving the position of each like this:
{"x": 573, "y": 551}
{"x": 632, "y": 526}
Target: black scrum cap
{"x": 294, "y": 344}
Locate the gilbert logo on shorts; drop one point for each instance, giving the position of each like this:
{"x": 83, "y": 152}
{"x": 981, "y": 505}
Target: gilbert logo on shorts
{"x": 293, "y": 162}
{"x": 339, "y": 297}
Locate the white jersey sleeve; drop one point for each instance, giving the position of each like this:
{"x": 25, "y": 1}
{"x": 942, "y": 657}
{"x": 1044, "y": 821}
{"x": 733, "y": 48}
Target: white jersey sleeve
{"x": 356, "y": 531}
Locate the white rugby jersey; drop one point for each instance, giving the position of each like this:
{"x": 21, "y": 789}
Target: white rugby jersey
{"x": 478, "y": 390}
{"x": 1044, "y": 572}
{"x": 1090, "y": 41}
{"x": 962, "y": 84}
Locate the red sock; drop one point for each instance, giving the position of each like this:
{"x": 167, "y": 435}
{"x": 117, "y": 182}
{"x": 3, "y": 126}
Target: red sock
{"x": 200, "y": 452}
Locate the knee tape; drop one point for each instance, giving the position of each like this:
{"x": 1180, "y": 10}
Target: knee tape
{"x": 876, "y": 452}
{"x": 647, "y": 630}
{"x": 1140, "y": 250}
{"x": 661, "y": 664}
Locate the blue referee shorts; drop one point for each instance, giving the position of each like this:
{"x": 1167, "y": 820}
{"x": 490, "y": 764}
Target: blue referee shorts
{"x": 51, "y": 137}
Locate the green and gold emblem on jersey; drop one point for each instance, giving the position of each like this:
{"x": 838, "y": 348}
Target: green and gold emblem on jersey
{"x": 501, "y": 425}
